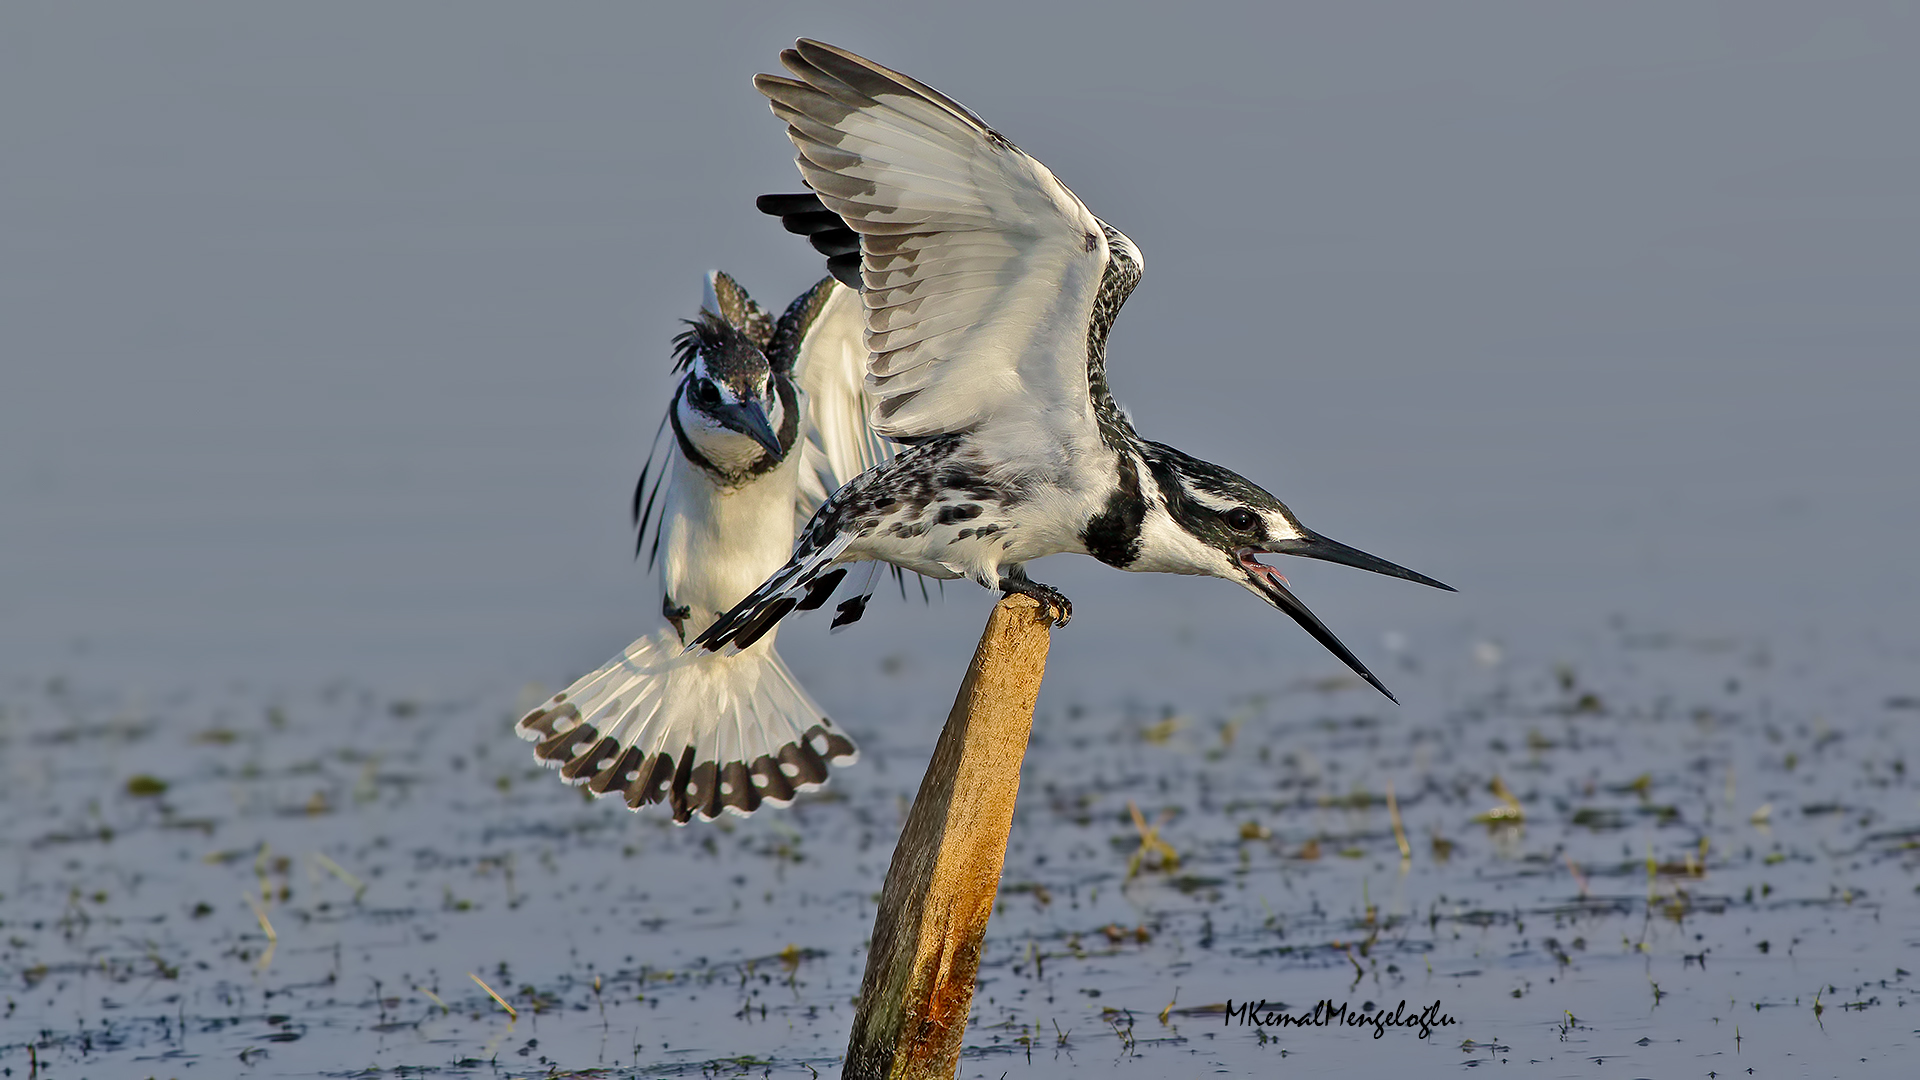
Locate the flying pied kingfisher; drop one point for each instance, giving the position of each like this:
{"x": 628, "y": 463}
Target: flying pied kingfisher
{"x": 989, "y": 290}
{"x": 769, "y": 417}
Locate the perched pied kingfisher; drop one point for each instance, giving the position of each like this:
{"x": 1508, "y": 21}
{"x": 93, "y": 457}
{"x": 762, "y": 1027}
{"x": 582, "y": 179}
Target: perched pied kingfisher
{"x": 768, "y": 418}
{"x": 989, "y": 290}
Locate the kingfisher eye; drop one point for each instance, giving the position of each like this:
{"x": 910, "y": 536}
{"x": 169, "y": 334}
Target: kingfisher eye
{"x": 705, "y": 393}
{"x": 1241, "y": 519}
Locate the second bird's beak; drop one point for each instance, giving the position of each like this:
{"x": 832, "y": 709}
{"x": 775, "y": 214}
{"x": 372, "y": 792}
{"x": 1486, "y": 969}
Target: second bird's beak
{"x": 1267, "y": 582}
{"x": 750, "y": 418}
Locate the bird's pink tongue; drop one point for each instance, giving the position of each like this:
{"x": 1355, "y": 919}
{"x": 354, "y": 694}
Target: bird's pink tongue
{"x": 1260, "y": 569}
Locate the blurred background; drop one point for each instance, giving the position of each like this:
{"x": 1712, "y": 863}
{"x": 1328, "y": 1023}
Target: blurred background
{"x": 334, "y": 335}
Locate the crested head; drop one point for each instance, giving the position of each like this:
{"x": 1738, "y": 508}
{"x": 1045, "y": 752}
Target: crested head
{"x": 719, "y": 350}
{"x": 733, "y": 413}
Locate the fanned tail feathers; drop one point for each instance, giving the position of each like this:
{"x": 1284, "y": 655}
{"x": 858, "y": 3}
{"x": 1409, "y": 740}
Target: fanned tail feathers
{"x": 703, "y": 732}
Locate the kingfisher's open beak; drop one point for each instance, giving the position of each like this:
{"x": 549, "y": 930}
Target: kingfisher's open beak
{"x": 1267, "y": 582}
{"x": 750, "y": 419}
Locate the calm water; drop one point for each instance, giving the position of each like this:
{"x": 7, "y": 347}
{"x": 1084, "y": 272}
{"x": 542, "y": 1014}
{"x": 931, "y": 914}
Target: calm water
{"x": 334, "y": 339}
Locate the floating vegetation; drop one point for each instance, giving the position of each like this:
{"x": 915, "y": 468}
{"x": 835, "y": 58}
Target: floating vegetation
{"x": 1509, "y": 812}
{"x": 143, "y": 786}
{"x": 1163, "y": 857}
{"x": 1282, "y": 845}
{"x": 495, "y": 995}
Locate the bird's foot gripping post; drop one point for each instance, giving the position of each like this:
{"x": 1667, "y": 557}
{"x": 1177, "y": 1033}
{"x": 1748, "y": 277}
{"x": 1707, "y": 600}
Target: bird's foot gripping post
{"x": 918, "y": 987}
{"x": 1054, "y": 604}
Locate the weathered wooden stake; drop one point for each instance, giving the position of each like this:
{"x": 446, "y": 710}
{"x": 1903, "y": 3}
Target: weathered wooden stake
{"x": 940, "y": 889}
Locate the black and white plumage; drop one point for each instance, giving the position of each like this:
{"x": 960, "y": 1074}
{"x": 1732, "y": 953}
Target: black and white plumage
{"x": 989, "y": 290}
{"x": 769, "y": 417}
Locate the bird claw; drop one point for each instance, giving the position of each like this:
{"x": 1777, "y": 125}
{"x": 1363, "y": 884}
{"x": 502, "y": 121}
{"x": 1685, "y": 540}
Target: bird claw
{"x": 1053, "y": 603}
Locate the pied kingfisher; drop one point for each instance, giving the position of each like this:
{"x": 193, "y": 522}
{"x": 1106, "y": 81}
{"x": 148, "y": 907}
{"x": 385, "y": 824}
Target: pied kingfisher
{"x": 989, "y": 290}
{"x": 768, "y": 419}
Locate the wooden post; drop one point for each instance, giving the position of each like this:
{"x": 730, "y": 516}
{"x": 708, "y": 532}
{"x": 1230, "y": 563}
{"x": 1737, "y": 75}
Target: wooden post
{"x": 918, "y": 987}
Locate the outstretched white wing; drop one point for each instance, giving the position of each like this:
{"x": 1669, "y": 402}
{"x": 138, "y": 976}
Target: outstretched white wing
{"x": 831, "y": 367}
{"x": 981, "y": 269}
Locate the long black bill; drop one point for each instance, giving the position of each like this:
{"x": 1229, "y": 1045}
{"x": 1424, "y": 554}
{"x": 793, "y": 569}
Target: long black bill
{"x": 748, "y": 418}
{"x": 1315, "y": 546}
{"x": 1281, "y": 597}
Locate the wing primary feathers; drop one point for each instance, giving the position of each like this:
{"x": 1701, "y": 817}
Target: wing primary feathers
{"x": 836, "y": 244}
{"x": 821, "y": 588}
{"x": 813, "y": 224}
{"x": 845, "y": 269}
{"x": 801, "y": 218}
{"x": 640, "y": 515}
{"x": 822, "y": 82}
{"x": 763, "y": 621}
{"x": 803, "y": 214}
{"x": 640, "y": 489}
{"x": 781, "y": 205}
{"x": 850, "y": 610}
{"x": 646, "y": 520}
{"x": 653, "y": 554}
{"x": 856, "y": 70}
